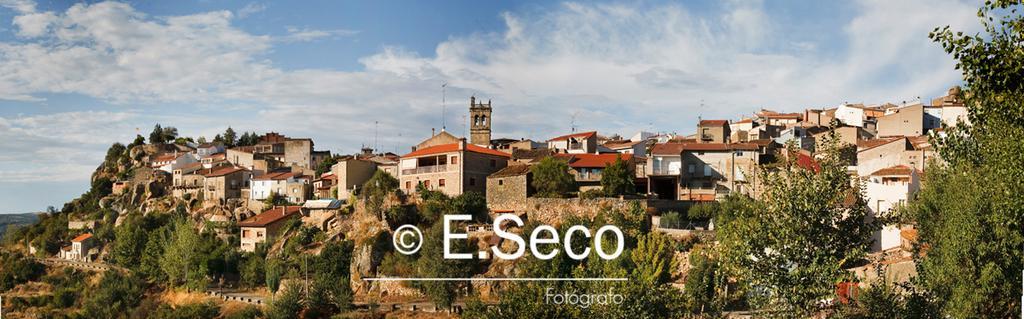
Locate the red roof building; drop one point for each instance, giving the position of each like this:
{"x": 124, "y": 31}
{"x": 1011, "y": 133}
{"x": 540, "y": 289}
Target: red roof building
{"x": 267, "y": 224}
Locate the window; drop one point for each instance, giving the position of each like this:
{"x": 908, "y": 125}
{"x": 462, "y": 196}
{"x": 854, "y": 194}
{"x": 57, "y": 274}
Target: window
{"x": 472, "y": 181}
{"x": 707, "y": 170}
{"x": 739, "y": 153}
{"x": 494, "y": 163}
{"x": 426, "y": 184}
{"x": 455, "y": 160}
{"x": 440, "y": 182}
{"x": 690, "y": 168}
{"x": 408, "y": 185}
{"x": 501, "y": 182}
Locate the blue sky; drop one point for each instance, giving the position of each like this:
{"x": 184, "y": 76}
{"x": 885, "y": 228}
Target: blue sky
{"x": 76, "y": 77}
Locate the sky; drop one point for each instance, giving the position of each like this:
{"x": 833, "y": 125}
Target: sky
{"x": 77, "y": 77}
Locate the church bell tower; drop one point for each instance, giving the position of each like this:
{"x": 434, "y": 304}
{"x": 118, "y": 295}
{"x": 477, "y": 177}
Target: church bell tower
{"x": 480, "y": 127}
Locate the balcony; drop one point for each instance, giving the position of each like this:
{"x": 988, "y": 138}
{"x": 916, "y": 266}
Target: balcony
{"x": 425, "y": 170}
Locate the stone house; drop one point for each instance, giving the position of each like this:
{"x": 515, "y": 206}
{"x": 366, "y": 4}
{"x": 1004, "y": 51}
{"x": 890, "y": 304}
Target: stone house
{"x": 576, "y": 143}
{"x": 509, "y": 185}
{"x": 171, "y": 161}
{"x": 846, "y": 134}
{"x": 876, "y": 154}
{"x": 713, "y": 170}
{"x": 639, "y": 148}
{"x": 905, "y": 120}
{"x": 820, "y": 117}
{"x": 664, "y": 166}
{"x": 79, "y": 248}
{"x": 224, "y": 183}
{"x": 588, "y": 168}
{"x": 208, "y": 149}
{"x": 273, "y": 183}
{"x": 257, "y": 229}
{"x": 322, "y": 186}
{"x": 351, "y": 174}
{"x": 450, "y": 168}
{"x": 249, "y": 158}
{"x": 82, "y": 224}
{"x": 321, "y": 213}
{"x": 713, "y": 131}
{"x": 885, "y": 190}
{"x": 188, "y": 180}
{"x": 779, "y": 119}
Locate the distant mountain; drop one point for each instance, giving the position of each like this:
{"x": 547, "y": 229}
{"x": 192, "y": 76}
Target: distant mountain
{"x": 16, "y": 219}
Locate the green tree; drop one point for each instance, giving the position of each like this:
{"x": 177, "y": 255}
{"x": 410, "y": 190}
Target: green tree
{"x": 326, "y": 165}
{"x": 230, "y": 137}
{"x": 973, "y": 235}
{"x": 377, "y": 190}
{"x": 115, "y": 295}
{"x": 253, "y": 270}
{"x": 157, "y": 135}
{"x": 672, "y": 220}
{"x": 181, "y": 261}
{"x": 796, "y": 239}
{"x": 330, "y": 292}
{"x": 288, "y": 304}
{"x": 128, "y": 245}
{"x": 551, "y": 178}
{"x": 432, "y": 263}
{"x": 273, "y": 277}
{"x": 617, "y": 178}
{"x": 653, "y": 259}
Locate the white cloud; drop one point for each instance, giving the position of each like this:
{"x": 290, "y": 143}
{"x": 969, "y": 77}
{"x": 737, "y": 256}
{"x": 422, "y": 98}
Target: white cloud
{"x": 21, "y": 6}
{"x": 34, "y": 24}
{"x": 306, "y": 34}
{"x": 251, "y": 9}
{"x": 620, "y": 68}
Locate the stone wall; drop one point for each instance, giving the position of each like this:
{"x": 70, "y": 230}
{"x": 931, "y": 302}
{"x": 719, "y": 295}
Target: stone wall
{"x": 552, "y": 210}
{"x": 507, "y": 192}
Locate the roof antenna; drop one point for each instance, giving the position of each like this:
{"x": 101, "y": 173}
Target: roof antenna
{"x": 375, "y": 130}
{"x": 572, "y": 124}
{"x": 444, "y": 103}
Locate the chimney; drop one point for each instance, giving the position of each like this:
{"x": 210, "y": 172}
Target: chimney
{"x": 462, "y": 143}
{"x": 472, "y": 101}
{"x": 432, "y": 131}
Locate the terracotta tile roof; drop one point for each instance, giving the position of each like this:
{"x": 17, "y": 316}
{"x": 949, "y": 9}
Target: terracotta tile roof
{"x": 217, "y": 172}
{"x": 719, "y": 147}
{"x": 898, "y": 170}
{"x": 191, "y": 166}
{"x": 714, "y": 123}
{"x": 512, "y": 170}
{"x": 276, "y": 176}
{"x": 245, "y": 149}
{"x": 593, "y": 160}
{"x": 621, "y": 144}
{"x": 575, "y": 135}
{"x": 794, "y": 116}
{"x": 454, "y": 147}
{"x": 81, "y": 238}
{"x": 667, "y": 148}
{"x": 271, "y": 216}
{"x": 166, "y": 157}
{"x": 532, "y": 155}
{"x": 762, "y": 142}
{"x": 863, "y": 145}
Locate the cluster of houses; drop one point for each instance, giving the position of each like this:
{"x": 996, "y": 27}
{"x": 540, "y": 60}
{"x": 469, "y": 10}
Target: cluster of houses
{"x": 891, "y": 143}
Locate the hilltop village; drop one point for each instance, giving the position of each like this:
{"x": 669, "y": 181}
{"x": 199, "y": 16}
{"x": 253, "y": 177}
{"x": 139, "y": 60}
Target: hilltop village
{"x": 267, "y": 196}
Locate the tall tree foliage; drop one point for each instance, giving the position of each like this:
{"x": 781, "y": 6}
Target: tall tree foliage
{"x": 796, "y": 239}
{"x": 551, "y": 178}
{"x": 617, "y": 178}
{"x": 972, "y": 236}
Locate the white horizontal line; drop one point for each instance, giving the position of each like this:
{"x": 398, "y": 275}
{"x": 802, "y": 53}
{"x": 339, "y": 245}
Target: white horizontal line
{"x": 494, "y": 279}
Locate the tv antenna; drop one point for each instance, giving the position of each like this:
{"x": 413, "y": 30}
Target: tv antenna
{"x": 444, "y": 103}
{"x": 572, "y": 123}
{"x": 376, "y": 124}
